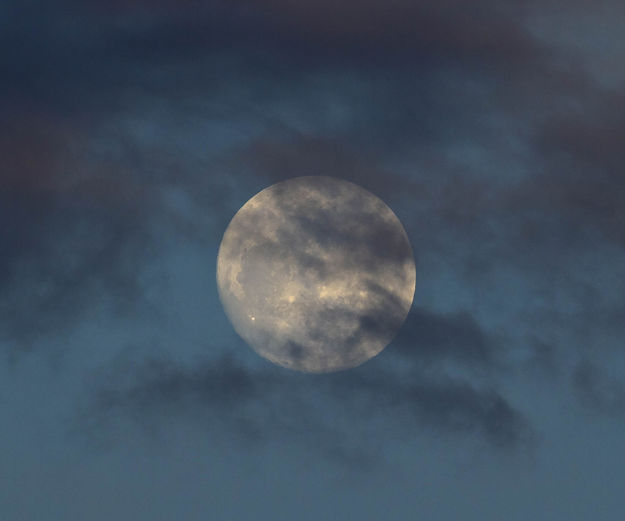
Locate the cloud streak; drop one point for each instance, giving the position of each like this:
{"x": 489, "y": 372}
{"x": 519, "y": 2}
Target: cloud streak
{"x": 332, "y": 413}
{"x": 500, "y": 152}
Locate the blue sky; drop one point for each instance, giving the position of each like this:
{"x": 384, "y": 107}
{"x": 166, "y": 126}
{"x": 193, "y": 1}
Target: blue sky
{"x": 133, "y": 131}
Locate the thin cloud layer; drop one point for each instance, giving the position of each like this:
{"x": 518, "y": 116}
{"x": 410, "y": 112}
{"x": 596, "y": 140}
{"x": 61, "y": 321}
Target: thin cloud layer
{"x": 72, "y": 234}
{"x": 498, "y": 147}
{"x": 253, "y": 405}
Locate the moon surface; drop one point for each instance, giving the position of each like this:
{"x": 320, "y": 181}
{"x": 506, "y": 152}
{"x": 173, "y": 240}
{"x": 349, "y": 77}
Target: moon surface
{"x": 316, "y": 274}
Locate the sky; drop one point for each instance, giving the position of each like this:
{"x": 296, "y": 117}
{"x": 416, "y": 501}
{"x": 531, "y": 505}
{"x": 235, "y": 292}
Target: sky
{"x": 134, "y": 130}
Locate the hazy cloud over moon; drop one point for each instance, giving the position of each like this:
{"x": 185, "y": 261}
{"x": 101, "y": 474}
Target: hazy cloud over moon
{"x": 316, "y": 274}
{"x": 134, "y": 130}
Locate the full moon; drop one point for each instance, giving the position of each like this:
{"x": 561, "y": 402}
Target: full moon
{"x": 316, "y": 274}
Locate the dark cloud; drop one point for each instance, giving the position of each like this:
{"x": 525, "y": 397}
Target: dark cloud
{"x": 498, "y": 151}
{"x": 598, "y": 390}
{"x": 132, "y": 131}
{"x": 79, "y": 56}
{"x": 544, "y": 360}
{"x": 490, "y": 31}
{"x": 266, "y": 402}
{"x": 295, "y": 154}
{"x": 416, "y": 29}
{"x": 246, "y": 406}
{"x": 582, "y": 182}
{"x": 427, "y": 336}
{"x": 71, "y": 235}
{"x": 459, "y": 83}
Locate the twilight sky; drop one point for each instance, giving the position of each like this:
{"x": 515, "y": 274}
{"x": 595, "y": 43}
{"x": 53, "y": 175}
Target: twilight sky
{"x": 132, "y": 131}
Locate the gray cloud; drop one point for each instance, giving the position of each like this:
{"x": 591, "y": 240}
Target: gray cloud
{"x": 253, "y": 404}
{"x": 427, "y": 336}
{"x": 497, "y": 151}
{"x": 133, "y": 131}
{"x": 73, "y": 236}
{"x": 598, "y": 390}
